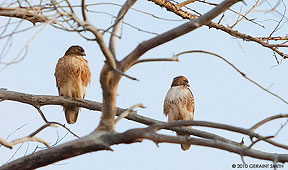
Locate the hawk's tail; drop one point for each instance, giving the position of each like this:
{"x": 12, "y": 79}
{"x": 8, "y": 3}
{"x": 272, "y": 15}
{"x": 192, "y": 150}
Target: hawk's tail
{"x": 184, "y": 147}
{"x": 71, "y": 114}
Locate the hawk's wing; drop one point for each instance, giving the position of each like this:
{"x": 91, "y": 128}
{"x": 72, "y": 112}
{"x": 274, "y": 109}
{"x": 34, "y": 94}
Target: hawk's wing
{"x": 85, "y": 72}
{"x": 190, "y": 101}
{"x": 72, "y": 76}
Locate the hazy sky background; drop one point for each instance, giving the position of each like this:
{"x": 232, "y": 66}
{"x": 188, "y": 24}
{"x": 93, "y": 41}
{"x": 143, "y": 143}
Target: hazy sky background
{"x": 221, "y": 94}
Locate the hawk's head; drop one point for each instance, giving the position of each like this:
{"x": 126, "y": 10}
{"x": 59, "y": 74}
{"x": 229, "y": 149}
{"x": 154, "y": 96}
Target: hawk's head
{"x": 180, "y": 80}
{"x": 75, "y": 50}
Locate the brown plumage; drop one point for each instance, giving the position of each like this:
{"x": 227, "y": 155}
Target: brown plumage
{"x": 179, "y": 103}
{"x": 72, "y": 77}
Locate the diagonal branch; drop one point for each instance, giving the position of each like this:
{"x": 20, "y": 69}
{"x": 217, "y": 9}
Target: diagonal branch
{"x": 127, "y": 112}
{"x": 5, "y": 143}
{"x": 186, "y": 15}
{"x": 184, "y": 3}
{"x": 128, "y": 4}
{"x": 145, "y": 46}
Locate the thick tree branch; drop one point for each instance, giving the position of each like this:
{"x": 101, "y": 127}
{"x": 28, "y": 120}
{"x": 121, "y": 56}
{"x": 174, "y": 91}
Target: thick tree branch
{"x": 100, "y": 140}
{"x": 220, "y": 126}
{"x": 31, "y": 15}
{"x": 238, "y": 149}
{"x": 42, "y": 100}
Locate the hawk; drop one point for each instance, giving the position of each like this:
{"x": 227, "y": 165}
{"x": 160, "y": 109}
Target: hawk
{"x": 72, "y": 77}
{"x": 179, "y": 103}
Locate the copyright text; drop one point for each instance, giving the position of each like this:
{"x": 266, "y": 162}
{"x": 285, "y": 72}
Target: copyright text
{"x": 257, "y": 166}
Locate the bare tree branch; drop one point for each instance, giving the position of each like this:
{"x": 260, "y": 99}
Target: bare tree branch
{"x": 128, "y": 4}
{"x": 5, "y": 143}
{"x": 99, "y": 38}
{"x": 32, "y": 137}
{"x": 145, "y": 46}
{"x": 185, "y": 15}
{"x": 174, "y": 58}
{"x": 104, "y": 136}
{"x": 24, "y": 13}
{"x": 29, "y": 138}
{"x": 42, "y": 100}
{"x": 127, "y": 112}
{"x": 268, "y": 119}
{"x": 83, "y": 10}
{"x": 184, "y": 3}
{"x": 59, "y": 100}
{"x": 100, "y": 140}
{"x": 244, "y": 16}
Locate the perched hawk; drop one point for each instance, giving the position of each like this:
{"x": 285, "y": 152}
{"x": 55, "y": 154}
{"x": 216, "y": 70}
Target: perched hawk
{"x": 72, "y": 77}
{"x": 179, "y": 103}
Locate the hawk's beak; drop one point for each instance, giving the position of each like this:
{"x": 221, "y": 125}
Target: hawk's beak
{"x": 83, "y": 54}
{"x": 188, "y": 85}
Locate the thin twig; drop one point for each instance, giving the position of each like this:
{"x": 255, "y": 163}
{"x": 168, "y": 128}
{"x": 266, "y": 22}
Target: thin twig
{"x": 127, "y": 112}
{"x": 41, "y": 113}
{"x": 112, "y": 42}
{"x": 244, "y": 16}
{"x": 180, "y": 5}
{"x": 174, "y": 58}
{"x": 268, "y": 119}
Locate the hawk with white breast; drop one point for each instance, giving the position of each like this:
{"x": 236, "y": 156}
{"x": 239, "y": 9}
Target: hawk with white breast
{"x": 179, "y": 103}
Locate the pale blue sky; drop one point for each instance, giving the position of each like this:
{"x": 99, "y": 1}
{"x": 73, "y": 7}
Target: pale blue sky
{"x": 221, "y": 94}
